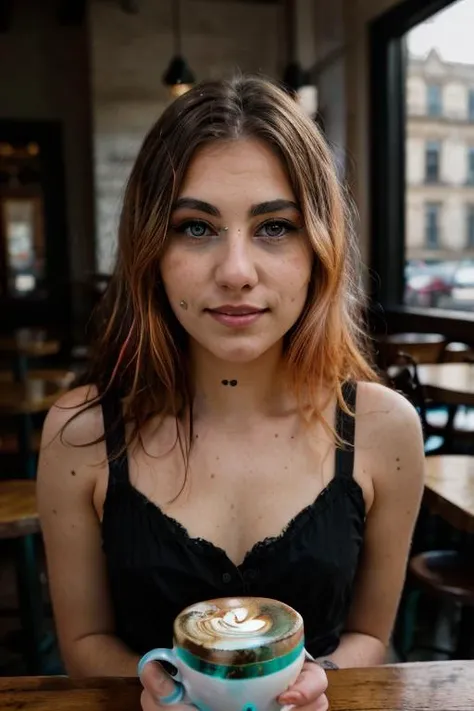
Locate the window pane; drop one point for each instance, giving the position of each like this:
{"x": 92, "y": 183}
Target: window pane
{"x": 24, "y": 243}
{"x": 432, "y": 161}
{"x": 470, "y": 166}
{"x": 432, "y": 211}
{"x": 434, "y": 100}
{"x": 471, "y": 104}
{"x": 439, "y": 217}
{"x": 470, "y": 227}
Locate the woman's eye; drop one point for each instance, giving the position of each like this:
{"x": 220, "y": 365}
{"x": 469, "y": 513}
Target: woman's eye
{"x": 195, "y": 229}
{"x": 275, "y": 229}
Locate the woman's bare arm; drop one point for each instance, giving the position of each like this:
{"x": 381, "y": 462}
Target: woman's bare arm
{"x": 389, "y": 444}
{"x": 67, "y": 477}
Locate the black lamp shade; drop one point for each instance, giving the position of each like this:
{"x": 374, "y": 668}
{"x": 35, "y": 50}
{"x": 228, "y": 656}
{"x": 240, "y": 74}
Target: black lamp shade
{"x": 178, "y": 72}
{"x": 295, "y": 77}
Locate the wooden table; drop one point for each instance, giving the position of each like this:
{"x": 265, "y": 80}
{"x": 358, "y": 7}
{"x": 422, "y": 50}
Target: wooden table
{"x": 450, "y": 383}
{"x": 21, "y": 400}
{"x": 440, "y": 686}
{"x": 449, "y": 489}
{"x": 19, "y": 521}
{"x": 26, "y": 344}
{"x": 423, "y": 347}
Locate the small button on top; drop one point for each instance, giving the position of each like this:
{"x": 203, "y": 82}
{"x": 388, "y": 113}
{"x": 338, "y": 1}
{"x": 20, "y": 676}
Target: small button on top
{"x": 226, "y": 578}
{"x": 251, "y": 574}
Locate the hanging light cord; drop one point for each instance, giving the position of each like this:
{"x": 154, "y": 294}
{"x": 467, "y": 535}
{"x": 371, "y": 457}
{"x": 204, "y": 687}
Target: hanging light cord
{"x": 176, "y": 12}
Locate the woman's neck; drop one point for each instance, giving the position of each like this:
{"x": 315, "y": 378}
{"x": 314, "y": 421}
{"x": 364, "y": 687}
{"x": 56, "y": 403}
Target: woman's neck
{"x": 234, "y": 391}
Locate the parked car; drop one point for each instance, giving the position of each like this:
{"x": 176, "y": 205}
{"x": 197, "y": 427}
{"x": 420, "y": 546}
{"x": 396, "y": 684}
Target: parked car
{"x": 463, "y": 282}
{"x": 428, "y": 284}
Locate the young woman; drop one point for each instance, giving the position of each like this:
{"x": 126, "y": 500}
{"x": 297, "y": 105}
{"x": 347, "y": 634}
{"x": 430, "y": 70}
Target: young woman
{"x": 233, "y": 438}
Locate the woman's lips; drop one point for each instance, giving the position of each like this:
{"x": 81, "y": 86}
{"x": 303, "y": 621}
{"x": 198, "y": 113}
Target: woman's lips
{"x": 236, "y": 318}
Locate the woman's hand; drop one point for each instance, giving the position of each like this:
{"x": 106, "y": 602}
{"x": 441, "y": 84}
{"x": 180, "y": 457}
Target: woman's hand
{"x": 308, "y": 691}
{"x": 157, "y": 684}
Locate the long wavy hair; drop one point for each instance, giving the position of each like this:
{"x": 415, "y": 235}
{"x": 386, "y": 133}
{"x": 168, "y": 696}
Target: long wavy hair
{"x": 141, "y": 350}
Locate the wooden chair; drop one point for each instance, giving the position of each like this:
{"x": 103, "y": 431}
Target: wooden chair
{"x": 19, "y": 522}
{"x": 443, "y": 568}
{"x": 448, "y": 575}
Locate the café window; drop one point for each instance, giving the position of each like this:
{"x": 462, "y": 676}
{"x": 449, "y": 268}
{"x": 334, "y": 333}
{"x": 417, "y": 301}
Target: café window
{"x": 22, "y": 243}
{"x": 434, "y": 100}
{"x": 432, "y": 161}
{"x": 432, "y": 224}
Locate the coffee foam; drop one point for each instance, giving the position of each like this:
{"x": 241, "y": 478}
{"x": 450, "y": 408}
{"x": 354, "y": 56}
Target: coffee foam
{"x": 237, "y": 624}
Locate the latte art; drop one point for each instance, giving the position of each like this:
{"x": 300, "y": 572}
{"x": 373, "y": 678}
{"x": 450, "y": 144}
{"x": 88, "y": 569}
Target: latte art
{"x": 228, "y": 629}
{"x": 212, "y": 624}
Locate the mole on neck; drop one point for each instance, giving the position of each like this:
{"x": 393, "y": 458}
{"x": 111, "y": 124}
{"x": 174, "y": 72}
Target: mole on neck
{"x": 232, "y": 383}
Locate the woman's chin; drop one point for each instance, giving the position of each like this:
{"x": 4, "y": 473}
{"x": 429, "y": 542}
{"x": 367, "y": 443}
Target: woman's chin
{"x": 239, "y": 354}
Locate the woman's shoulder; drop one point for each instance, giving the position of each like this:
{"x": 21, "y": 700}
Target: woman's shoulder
{"x": 388, "y": 429}
{"x": 377, "y": 400}
{"x": 75, "y": 419}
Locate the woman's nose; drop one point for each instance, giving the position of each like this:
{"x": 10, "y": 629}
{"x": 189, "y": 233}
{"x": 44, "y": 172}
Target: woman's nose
{"x": 236, "y": 268}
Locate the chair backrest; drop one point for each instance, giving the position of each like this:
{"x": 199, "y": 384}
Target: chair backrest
{"x": 403, "y": 376}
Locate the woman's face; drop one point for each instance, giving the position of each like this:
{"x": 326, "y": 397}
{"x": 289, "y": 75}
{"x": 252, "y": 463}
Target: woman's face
{"x": 238, "y": 261}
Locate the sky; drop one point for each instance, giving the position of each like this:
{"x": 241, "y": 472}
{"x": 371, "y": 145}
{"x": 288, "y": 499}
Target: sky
{"x": 450, "y": 31}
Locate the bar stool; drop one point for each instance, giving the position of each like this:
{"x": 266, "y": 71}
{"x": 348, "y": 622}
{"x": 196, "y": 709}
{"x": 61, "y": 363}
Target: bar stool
{"x": 19, "y": 522}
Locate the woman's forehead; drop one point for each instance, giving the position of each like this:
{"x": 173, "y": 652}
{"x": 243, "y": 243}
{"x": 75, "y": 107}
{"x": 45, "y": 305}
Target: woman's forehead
{"x": 245, "y": 167}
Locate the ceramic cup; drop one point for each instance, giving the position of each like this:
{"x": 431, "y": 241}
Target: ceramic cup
{"x": 237, "y": 654}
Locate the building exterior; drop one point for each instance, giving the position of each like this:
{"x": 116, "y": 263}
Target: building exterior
{"x": 439, "y": 160}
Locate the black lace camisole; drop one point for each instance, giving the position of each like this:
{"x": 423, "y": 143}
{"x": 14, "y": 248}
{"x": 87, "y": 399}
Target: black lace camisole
{"x": 156, "y": 569}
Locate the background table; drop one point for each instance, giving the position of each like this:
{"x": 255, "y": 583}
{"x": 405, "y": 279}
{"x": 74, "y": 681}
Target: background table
{"x": 440, "y": 686}
{"x": 449, "y": 489}
{"x": 451, "y": 383}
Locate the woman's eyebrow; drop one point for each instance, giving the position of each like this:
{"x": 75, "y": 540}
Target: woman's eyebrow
{"x": 273, "y": 206}
{"x": 194, "y": 204}
{"x": 261, "y": 208}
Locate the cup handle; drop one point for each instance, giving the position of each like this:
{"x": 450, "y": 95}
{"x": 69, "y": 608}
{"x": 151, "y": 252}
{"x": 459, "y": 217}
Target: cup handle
{"x": 165, "y": 655}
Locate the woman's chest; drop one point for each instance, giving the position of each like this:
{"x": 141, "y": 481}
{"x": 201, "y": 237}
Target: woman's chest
{"x": 237, "y": 490}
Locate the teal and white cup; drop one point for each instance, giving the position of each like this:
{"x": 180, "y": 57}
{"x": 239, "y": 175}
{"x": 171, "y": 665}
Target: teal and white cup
{"x": 237, "y": 654}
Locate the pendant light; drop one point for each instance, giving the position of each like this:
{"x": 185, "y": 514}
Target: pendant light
{"x": 178, "y": 77}
{"x": 294, "y": 76}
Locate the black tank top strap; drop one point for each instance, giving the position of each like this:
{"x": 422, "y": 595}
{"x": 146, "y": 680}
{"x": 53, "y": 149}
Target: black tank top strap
{"x": 115, "y": 441}
{"x": 345, "y": 428}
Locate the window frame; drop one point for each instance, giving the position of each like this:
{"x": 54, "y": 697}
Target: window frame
{"x": 387, "y": 136}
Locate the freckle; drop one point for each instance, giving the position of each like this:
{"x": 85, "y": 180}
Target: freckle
{"x": 54, "y": 511}
{"x": 397, "y": 459}
{"x": 232, "y": 507}
{"x": 286, "y": 467}
{"x": 73, "y": 473}
{"x": 276, "y": 436}
{"x": 292, "y": 437}
{"x": 213, "y": 476}
{"x": 197, "y": 436}
{"x": 398, "y": 469}
{"x": 217, "y": 459}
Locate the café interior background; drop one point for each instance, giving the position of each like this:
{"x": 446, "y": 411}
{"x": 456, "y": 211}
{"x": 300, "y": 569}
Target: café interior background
{"x": 392, "y": 86}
